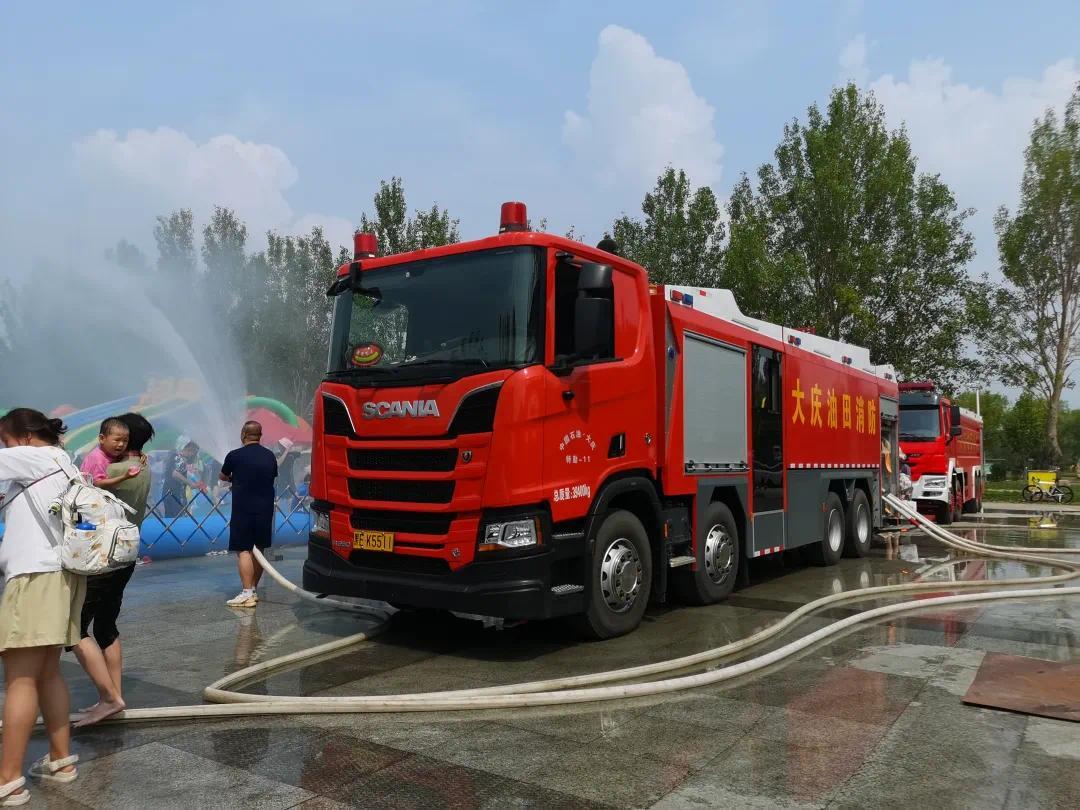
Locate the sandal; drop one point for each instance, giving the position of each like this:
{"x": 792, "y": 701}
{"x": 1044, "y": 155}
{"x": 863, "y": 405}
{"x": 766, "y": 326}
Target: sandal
{"x": 51, "y": 770}
{"x": 8, "y": 795}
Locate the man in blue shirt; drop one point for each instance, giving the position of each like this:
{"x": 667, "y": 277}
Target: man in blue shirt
{"x": 251, "y": 469}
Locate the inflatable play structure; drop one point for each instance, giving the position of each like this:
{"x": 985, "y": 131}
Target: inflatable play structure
{"x": 200, "y": 524}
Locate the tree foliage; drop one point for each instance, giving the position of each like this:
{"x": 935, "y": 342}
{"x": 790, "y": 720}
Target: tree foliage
{"x": 175, "y": 237}
{"x": 679, "y": 239}
{"x": 843, "y": 236}
{"x": 1040, "y": 258}
{"x": 397, "y": 232}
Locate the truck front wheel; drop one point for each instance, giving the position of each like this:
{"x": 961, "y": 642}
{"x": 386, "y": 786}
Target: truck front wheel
{"x": 620, "y": 577}
{"x": 717, "y": 560}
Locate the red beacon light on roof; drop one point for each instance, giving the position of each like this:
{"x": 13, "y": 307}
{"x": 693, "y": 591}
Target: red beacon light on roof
{"x": 365, "y": 245}
{"x": 513, "y": 217}
{"x": 922, "y": 385}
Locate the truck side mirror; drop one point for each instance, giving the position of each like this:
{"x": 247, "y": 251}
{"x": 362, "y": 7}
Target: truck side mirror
{"x": 954, "y": 420}
{"x": 594, "y": 313}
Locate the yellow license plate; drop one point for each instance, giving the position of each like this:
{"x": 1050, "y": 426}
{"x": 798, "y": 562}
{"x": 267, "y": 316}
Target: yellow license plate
{"x": 368, "y": 540}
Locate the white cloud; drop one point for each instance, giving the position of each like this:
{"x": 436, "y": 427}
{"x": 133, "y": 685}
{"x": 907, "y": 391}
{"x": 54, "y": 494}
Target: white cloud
{"x": 167, "y": 168}
{"x": 337, "y": 230}
{"x": 974, "y": 137}
{"x": 643, "y": 115}
{"x": 853, "y": 61}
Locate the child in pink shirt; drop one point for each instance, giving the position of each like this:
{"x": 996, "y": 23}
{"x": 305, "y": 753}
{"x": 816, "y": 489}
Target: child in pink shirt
{"x": 112, "y": 446}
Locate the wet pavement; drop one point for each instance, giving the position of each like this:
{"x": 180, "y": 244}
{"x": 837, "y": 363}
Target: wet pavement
{"x": 873, "y": 718}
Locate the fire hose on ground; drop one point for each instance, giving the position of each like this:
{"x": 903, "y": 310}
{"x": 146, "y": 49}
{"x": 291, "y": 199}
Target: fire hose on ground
{"x": 224, "y": 701}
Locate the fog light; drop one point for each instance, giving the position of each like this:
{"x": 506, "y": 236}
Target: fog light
{"x": 320, "y": 523}
{"x": 511, "y": 534}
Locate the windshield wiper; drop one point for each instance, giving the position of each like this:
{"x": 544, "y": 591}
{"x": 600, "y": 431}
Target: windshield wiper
{"x": 346, "y": 372}
{"x": 446, "y": 361}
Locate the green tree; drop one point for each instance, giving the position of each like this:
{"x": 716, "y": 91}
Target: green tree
{"x": 227, "y": 281}
{"x": 1040, "y": 258}
{"x": 845, "y": 237}
{"x": 1024, "y": 433}
{"x": 292, "y": 328}
{"x": 679, "y": 239}
{"x": 175, "y": 237}
{"x": 397, "y": 232}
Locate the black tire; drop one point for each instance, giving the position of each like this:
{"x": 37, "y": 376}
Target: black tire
{"x": 956, "y": 504}
{"x": 944, "y": 514}
{"x": 859, "y": 528}
{"x": 1066, "y": 493}
{"x": 831, "y": 547}
{"x": 620, "y": 574}
{"x": 717, "y": 560}
{"x": 1031, "y": 493}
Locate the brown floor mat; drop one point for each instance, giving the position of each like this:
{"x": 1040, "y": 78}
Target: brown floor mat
{"x": 1027, "y": 685}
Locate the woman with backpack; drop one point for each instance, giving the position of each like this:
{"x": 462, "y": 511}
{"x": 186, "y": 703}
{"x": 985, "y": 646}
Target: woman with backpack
{"x": 40, "y": 606}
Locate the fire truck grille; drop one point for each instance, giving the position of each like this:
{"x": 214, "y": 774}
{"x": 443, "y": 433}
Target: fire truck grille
{"x": 403, "y": 460}
{"x": 409, "y": 522}
{"x": 369, "y": 489}
{"x": 403, "y": 563}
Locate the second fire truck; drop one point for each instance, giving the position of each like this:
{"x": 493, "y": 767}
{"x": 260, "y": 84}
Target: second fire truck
{"x": 522, "y": 426}
{"x": 944, "y": 447}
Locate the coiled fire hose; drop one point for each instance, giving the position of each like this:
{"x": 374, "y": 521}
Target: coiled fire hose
{"x": 225, "y": 702}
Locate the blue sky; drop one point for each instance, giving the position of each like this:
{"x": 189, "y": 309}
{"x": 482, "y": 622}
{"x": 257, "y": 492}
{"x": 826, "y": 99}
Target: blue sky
{"x": 291, "y": 112}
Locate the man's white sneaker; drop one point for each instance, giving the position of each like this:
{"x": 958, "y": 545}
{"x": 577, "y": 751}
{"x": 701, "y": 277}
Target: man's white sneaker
{"x": 243, "y": 601}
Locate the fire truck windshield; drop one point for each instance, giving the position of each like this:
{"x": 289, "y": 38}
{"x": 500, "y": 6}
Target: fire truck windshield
{"x": 441, "y": 318}
{"x": 920, "y": 424}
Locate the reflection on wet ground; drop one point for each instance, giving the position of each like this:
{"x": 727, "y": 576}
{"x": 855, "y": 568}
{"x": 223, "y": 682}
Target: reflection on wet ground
{"x": 873, "y": 717}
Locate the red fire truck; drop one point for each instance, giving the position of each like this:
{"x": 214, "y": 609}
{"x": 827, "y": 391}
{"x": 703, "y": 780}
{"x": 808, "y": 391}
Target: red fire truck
{"x": 522, "y": 427}
{"x": 944, "y": 446}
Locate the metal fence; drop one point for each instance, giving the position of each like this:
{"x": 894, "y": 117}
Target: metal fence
{"x": 175, "y": 527}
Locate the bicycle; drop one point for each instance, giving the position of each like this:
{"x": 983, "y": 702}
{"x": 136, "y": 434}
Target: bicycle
{"x": 1059, "y": 493}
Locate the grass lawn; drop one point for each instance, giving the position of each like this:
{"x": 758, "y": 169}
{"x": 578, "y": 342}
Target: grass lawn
{"x": 1004, "y": 490}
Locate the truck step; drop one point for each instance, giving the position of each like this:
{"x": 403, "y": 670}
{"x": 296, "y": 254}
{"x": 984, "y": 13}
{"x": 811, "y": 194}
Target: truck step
{"x": 563, "y": 590}
{"x": 675, "y": 562}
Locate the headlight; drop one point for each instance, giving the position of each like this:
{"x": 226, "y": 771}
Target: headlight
{"x": 511, "y": 534}
{"x": 934, "y": 481}
{"x": 320, "y": 522}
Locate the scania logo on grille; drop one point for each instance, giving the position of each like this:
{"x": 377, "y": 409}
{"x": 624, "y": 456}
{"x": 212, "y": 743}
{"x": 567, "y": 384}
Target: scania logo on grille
{"x": 415, "y": 407}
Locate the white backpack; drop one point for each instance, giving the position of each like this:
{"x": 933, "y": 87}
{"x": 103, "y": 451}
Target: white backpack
{"x": 112, "y": 543}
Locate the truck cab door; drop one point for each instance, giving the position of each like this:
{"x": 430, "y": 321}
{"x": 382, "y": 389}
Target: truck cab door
{"x": 596, "y": 413}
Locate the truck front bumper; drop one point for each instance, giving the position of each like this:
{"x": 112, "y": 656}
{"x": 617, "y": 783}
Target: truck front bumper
{"x": 509, "y": 587}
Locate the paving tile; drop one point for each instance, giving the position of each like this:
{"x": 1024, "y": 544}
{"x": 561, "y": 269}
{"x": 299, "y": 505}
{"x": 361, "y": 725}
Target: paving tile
{"x": 581, "y": 726}
{"x": 684, "y": 744}
{"x": 615, "y": 778}
{"x": 790, "y": 726}
{"x": 317, "y": 760}
{"x": 756, "y": 768}
{"x": 1048, "y": 783}
{"x": 155, "y": 775}
{"x": 422, "y": 783}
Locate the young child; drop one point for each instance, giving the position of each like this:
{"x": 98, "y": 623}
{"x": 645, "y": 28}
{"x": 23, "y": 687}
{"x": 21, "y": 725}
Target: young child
{"x": 112, "y": 446}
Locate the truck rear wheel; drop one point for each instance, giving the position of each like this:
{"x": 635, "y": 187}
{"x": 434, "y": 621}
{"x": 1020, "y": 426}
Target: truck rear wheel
{"x": 859, "y": 526}
{"x": 831, "y": 547}
{"x": 620, "y": 577}
{"x": 717, "y": 560}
